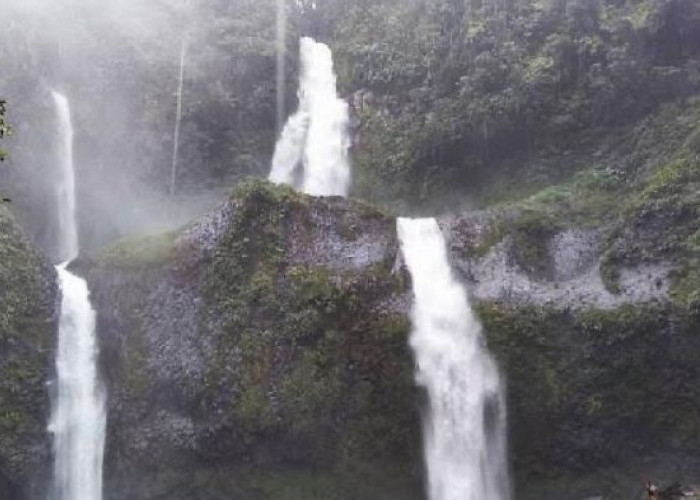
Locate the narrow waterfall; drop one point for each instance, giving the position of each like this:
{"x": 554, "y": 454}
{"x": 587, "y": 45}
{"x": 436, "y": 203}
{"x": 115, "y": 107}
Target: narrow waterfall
{"x": 78, "y": 416}
{"x": 68, "y": 230}
{"x": 178, "y": 119}
{"x": 78, "y": 410}
{"x": 316, "y": 136}
{"x": 465, "y": 427}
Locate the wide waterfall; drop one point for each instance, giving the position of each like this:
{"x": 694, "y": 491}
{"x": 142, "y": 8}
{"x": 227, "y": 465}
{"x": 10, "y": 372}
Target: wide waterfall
{"x": 78, "y": 412}
{"x": 465, "y": 428}
{"x": 316, "y": 136}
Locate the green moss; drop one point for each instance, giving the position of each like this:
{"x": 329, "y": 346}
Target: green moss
{"x": 139, "y": 252}
{"x": 373, "y": 482}
{"x": 26, "y": 332}
{"x": 685, "y": 289}
{"x": 532, "y": 233}
{"x": 596, "y": 385}
{"x": 590, "y": 199}
{"x": 495, "y": 234}
{"x": 692, "y": 143}
{"x": 658, "y": 223}
{"x": 319, "y": 363}
{"x": 347, "y": 231}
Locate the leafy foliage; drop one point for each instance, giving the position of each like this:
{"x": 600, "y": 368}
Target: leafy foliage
{"x": 458, "y": 87}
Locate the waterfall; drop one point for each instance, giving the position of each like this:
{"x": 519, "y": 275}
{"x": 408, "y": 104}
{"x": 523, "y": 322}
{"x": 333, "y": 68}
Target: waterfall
{"x": 78, "y": 416}
{"x": 316, "y": 136}
{"x": 178, "y": 119}
{"x": 78, "y": 409}
{"x": 65, "y": 187}
{"x": 465, "y": 427}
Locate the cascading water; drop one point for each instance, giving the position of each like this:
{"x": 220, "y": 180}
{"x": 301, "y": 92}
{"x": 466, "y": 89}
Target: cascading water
{"x": 78, "y": 411}
{"x": 316, "y": 136}
{"x": 65, "y": 185}
{"x": 178, "y": 118}
{"x": 465, "y": 428}
{"x": 78, "y": 417}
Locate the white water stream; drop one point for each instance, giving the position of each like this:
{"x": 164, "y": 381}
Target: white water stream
{"x": 178, "y": 118}
{"x": 316, "y": 136}
{"x": 78, "y": 410}
{"x": 65, "y": 185}
{"x": 465, "y": 427}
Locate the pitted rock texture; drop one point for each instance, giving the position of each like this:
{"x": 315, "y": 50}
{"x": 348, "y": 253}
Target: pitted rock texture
{"x": 340, "y": 235}
{"x": 271, "y": 338}
{"x": 573, "y": 256}
{"x": 258, "y": 336}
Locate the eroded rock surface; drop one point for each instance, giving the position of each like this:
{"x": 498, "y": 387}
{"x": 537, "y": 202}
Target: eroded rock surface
{"x": 264, "y": 348}
{"x": 268, "y": 338}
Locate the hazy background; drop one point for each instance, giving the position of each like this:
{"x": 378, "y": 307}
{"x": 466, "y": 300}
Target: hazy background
{"x": 118, "y": 61}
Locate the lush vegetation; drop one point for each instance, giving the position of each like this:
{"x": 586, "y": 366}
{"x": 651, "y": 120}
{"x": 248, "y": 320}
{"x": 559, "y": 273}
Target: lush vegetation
{"x": 553, "y": 114}
{"x": 456, "y": 102}
{"x": 307, "y": 383}
{"x": 324, "y": 323}
{"x": 27, "y": 324}
{"x": 594, "y": 388}
{"x": 462, "y": 89}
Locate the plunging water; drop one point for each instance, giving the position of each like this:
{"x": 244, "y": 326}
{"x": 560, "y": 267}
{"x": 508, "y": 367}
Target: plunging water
{"x": 465, "y": 428}
{"x": 78, "y": 411}
{"x": 78, "y": 419}
{"x": 178, "y": 119}
{"x": 65, "y": 185}
{"x": 316, "y": 136}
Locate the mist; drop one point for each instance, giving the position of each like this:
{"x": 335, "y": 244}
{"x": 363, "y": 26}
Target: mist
{"x": 118, "y": 63}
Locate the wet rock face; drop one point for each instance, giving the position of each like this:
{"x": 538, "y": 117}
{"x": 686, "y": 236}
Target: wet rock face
{"x": 340, "y": 236}
{"x": 596, "y": 378}
{"x": 269, "y": 340}
{"x": 29, "y": 305}
{"x": 568, "y": 275}
{"x": 258, "y": 338}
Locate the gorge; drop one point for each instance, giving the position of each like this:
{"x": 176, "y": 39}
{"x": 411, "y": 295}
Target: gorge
{"x": 502, "y": 302}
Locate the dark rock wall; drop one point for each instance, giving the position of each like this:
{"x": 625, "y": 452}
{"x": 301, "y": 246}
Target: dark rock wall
{"x": 28, "y": 324}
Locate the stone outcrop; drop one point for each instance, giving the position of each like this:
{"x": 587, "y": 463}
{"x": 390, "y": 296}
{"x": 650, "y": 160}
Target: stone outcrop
{"x": 263, "y": 350}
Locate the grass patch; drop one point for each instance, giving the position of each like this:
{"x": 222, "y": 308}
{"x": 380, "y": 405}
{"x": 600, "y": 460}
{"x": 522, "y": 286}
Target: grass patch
{"x": 137, "y": 252}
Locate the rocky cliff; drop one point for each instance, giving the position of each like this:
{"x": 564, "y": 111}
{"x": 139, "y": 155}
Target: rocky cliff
{"x": 259, "y": 353}
{"x": 28, "y": 325}
{"x": 602, "y": 385}
{"x": 262, "y": 353}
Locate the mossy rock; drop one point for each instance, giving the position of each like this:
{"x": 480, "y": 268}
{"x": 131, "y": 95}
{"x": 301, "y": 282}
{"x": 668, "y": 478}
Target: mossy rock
{"x": 28, "y": 327}
{"x": 305, "y": 364}
{"x": 594, "y": 388}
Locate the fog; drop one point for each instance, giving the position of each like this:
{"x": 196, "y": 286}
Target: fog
{"x": 117, "y": 62}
